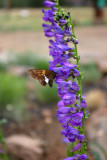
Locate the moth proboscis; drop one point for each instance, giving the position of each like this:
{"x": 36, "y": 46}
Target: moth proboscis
{"x": 44, "y": 76}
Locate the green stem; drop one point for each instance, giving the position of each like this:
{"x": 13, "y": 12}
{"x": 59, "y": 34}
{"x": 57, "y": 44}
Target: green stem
{"x": 5, "y": 157}
{"x": 57, "y": 4}
{"x": 79, "y": 80}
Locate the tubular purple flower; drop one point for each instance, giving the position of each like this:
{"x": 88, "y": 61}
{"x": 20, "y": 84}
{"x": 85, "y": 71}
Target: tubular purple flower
{"x": 76, "y": 41}
{"x": 70, "y": 158}
{"x": 60, "y": 104}
{"x": 83, "y": 156}
{"x": 76, "y": 73}
{"x": 67, "y": 33}
{"x": 77, "y": 147}
{"x": 49, "y": 4}
{"x": 69, "y": 65}
{"x": 83, "y": 103}
{"x": 69, "y": 98}
{"x": 58, "y": 30}
{"x": 73, "y": 110}
{"x": 64, "y": 110}
{"x": 75, "y": 86}
{"x": 62, "y": 22}
{"x": 48, "y": 15}
{"x": 76, "y": 119}
{"x": 65, "y": 140}
{"x": 65, "y": 119}
{"x": 49, "y": 34}
{"x": 54, "y": 9}
{"x": 80, "y": 137}
{"x": 63, "y": 47}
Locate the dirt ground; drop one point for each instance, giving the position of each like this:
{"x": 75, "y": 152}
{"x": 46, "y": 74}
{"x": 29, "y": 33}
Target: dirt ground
{"x": 92, "y": 42}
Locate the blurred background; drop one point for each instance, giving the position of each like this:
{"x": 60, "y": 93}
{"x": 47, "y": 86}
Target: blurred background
{"x": 32, "y": 131}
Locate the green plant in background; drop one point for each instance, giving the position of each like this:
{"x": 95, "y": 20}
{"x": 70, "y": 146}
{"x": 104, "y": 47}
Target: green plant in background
{"x": 96, "y": 149}
{"x": 29, "y": 59}
{"x": 46, "y": 94}
{"x": 12, "y": 92}
{"x": 91, "y": 73}
{"x": 3, "y": 66}
{"x": 3, "y": 153}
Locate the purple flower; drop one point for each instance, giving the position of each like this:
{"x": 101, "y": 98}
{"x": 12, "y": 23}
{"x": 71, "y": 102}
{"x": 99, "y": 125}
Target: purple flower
{"x": 49, "y": 3}
{"x": 63, "y": 47}
{"x": 76, "y": 41}
{"x": 77, "y": 147}
{"x": 48, "y": 15}
{"x": 66, "y": 118}
{"x": 69, "y": 98}
{"x": 83, "y": 156}
{"x": 62, "y": 21}
{"x": 67, "y": 33}
{"x": 76, "y": 73}
{"x": 49, "y": 34}
{"x": 80, "y": 137}
{"x": 83, "y": 103}
{"x": 65, "y": 140}
{"x": 64, "y": 110}
{"x": 46, "y": 27}
{"x": 60, "y": 104}
{"x": 54, "y": 9}
{"x": 75, "y": 86}
{"x": 69, "y": 65}
{"x": 70, "y": 158}
{"x": 76, "y": 119}
{"x": 73, "y": 110}
{"x": 64, "y": 72}
{"x": 58, "y": 30}
{"x": 77, "y": 106}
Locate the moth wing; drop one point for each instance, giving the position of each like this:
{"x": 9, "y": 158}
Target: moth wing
{"x": 44, "y": 76}
{"x": 50, "y": 82}
{"x": 38, "y": 74}
{"x": 42, "y": 81}
{"x": 35, "y": 73}
{"x": 51, "y": 76}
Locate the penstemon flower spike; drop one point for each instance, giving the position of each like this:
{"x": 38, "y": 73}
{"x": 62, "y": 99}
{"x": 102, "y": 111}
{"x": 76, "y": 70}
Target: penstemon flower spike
{"x": 72, "y": 106}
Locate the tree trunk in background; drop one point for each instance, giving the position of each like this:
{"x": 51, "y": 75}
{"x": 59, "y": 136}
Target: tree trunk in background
{"x": 7, "y": 5}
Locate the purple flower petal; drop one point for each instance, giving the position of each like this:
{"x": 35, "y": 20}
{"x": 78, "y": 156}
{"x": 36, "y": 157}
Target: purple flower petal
{"x": 76, "y": 73}
{"x": 64, "y": 110}
{"x": 60, "y": 104}
{"x": 83, "y": 103}
{"x": 49, "y": 3}
{"x": 83, "y": 156}
{"x": 77, "y": 147}
{"x": 75, "y": 86}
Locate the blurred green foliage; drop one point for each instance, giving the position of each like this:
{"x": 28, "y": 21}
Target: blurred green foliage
{"x": 12, "y": 89}
{"x": 12, "y": 92}
{"x": 46, "y": 94}
{"x": 13, "y": 21}
{"x": 90, "y": 73}
{"x": 3, "y": 66}
{"x": 29, "y": 59}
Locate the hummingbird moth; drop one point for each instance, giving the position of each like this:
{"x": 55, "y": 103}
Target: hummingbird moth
{"x": 44, "y": 76}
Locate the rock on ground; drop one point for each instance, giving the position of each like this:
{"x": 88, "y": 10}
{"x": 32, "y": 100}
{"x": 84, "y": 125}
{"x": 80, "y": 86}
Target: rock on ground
{"x": 24, "y": 147}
